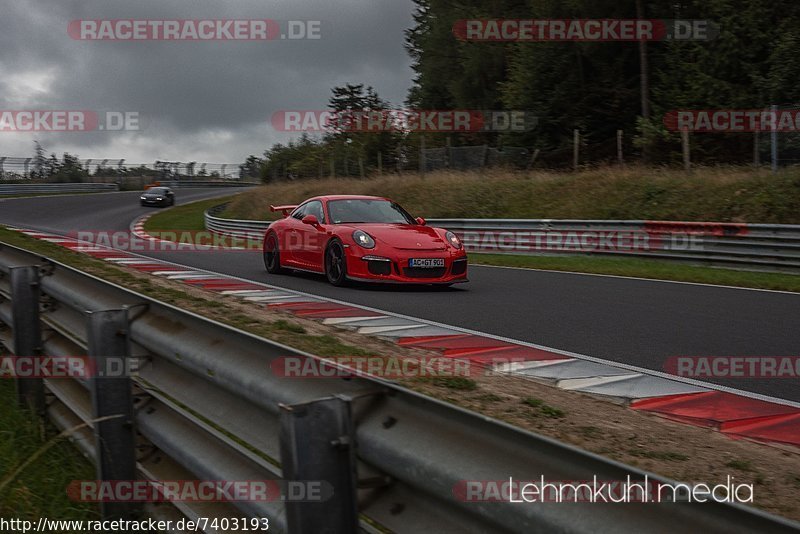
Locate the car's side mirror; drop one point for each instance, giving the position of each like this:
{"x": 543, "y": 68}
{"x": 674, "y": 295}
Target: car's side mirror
{"x": 310, "y": 219}
{"x": 420, "y": 221}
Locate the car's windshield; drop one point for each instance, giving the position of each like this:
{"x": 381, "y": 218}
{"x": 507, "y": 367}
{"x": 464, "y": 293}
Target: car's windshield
{"x": 364, "y": 210}
{"x": 157, "y": 190}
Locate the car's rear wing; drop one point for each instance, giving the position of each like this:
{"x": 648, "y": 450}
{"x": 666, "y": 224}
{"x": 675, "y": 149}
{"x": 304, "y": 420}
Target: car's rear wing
{"x": 285, "y": 209}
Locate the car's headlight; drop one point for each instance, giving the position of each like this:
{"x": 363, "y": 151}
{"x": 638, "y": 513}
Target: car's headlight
{"x": 159, "y": 198}
{"x": 143, "y": 198}
{"x": 363, "y": 239}
{"x": 454, "y": 241}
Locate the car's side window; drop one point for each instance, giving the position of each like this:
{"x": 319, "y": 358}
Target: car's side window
{"x": 315, "y": 208}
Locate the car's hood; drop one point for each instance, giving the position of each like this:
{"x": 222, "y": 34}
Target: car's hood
{"x": 153, "y": 195}
{"x": 403, "y": 236}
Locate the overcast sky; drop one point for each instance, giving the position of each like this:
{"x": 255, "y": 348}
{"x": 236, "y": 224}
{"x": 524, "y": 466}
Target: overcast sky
{"x": 198, "y": 101}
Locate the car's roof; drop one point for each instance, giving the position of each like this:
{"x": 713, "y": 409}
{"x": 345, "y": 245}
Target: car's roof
{"x": 346, "y": 197}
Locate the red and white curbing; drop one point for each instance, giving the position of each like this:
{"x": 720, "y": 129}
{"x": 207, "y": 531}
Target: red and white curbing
{"x": 137, "y": 230}
{"x": 735, "y": 413}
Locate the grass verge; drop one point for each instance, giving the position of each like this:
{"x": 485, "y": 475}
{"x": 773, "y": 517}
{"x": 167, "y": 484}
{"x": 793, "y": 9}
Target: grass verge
{"x": 187, "y": 217}
{"x": 735, "y": 194}
{"x": 39, "y": 490}
{"x": 644, "y": 268}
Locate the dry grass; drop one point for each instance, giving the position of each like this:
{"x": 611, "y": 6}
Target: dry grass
{"x": 738, "y": 194}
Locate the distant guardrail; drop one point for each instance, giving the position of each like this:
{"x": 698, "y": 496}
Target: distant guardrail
{"x": 206, "y": 183}
{"x": 245, "y": 229}
{"x": 754, "y": 247}
{"x": 198, "y": 402}
{"x": 21, "y": 189}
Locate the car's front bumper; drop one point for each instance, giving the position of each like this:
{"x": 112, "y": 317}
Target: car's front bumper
{"x": 153, "y": 202}
{"x": 375, "y": 266}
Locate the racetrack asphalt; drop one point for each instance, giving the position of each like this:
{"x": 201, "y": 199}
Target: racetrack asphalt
{"x": 637, "y": 322}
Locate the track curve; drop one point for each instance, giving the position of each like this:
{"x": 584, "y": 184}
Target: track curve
{"x": 637, "y": 322}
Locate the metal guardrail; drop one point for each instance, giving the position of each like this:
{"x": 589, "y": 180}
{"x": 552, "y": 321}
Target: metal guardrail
{"x": 755, "y": 247}
{"x": 21, "y": 189}
{"x": 206, "y": 183}
{"x": 204, "y": 406}
{"x": 232, "y": 227}
{"x": 22, "y": 168}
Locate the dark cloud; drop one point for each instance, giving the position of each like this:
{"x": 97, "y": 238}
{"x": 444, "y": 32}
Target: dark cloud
{"x": 205, "y": 101}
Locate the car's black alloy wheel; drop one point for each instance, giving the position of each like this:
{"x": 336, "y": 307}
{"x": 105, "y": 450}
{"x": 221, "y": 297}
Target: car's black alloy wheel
{"x": 335, "y": 264}
{"x": 272, "y": 255}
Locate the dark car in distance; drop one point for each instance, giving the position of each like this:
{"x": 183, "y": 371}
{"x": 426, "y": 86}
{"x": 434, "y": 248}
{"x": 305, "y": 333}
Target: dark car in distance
{"x": 158, "y": 196}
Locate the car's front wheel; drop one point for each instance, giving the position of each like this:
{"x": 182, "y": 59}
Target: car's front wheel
{"x": 336, "y": 264}
{"x": 272, "y": 255}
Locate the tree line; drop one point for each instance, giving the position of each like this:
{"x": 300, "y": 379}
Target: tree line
{"x": 597, "y": 88}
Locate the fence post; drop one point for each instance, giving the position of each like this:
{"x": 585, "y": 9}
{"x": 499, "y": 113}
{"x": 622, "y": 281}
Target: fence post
{"x": 576, "y": 149}
{"x": 333, "y": 167}
{"x": 620, "y": 156}
{"x": 533, "y": 158}
{"x": 485, "y": 157}
{"x": 112, "y": 399}
{"x": 25, "y": 293}
{"x": 380, "y": 164}
{"x": 422, "y": 160}
{"x": 756, "y": 149}
{"x": 687, "y": 153}
{"x": 448, "y": 162}
{"x": 399, "y": 160}
{"x": 361, "y": 166}
{"x": 774, "y": 141}
{"x": 317, "y": 447}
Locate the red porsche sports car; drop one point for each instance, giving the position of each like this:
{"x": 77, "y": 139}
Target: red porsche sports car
{"x": 361, "y": 238}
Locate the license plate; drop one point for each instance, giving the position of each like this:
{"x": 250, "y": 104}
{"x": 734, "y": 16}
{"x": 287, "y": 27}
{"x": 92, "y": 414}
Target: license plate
{"x": 426, "y": 263}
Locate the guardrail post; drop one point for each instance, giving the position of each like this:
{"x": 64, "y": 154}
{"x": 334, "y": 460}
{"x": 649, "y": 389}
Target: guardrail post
{"x": 112, "y": 399}
{"x": 317, "y": 446}
{"x": 25, "y": 293}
